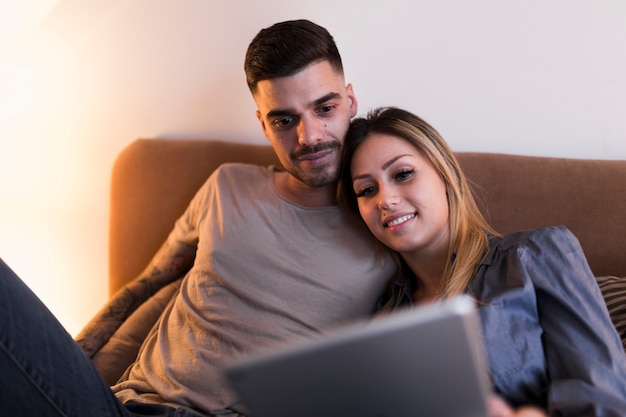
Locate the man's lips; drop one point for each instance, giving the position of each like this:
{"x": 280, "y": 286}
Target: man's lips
{"x": 399, "y": 220}
{"x": 316, "y": 155}
{"x": 315, "y": 151}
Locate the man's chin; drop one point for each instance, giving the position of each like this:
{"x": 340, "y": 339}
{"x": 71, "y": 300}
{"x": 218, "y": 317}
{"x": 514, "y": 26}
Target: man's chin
{"x": 318, "y": 183}
{"x": 318, "y": 179}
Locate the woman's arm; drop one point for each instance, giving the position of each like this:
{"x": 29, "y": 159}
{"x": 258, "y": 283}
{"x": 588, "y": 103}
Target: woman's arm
{"x": 499, "y": 408}
{"x": 584, "y": 356}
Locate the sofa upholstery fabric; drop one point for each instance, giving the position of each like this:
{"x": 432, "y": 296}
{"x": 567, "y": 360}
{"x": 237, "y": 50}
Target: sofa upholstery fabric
{"x": 153, "y": 180}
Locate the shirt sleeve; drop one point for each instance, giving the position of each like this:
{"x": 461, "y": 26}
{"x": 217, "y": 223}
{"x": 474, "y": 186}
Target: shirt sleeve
{"x": 185, "y": 229}
{"x": 584, "y": 356}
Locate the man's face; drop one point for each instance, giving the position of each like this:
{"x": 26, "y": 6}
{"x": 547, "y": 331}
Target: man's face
{"x": 306, "y": 116}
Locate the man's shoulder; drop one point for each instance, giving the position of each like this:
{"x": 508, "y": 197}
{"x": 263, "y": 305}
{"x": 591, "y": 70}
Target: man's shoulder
{"x": 235, "y": 176}
{"x": 240, "y": 179}
{"x": 241, "y": 173}
{"x": 241, "y": 168}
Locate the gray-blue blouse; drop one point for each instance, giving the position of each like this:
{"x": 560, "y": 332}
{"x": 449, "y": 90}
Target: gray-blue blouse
{"x": 547, "y": 330}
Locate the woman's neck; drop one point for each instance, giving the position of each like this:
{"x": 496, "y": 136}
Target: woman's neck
{"x": 428, "y": 271}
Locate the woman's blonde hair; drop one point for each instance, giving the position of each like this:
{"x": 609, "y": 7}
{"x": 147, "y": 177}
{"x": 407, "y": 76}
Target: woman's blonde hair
{"x": 468, "y": 228}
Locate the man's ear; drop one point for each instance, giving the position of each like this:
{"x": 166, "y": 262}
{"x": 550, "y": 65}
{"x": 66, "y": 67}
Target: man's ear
{"x": 352, "y": 100}
{"x": 263, "y": 125}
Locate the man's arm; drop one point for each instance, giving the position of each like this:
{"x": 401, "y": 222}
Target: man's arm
{"x": 172, "y": 261}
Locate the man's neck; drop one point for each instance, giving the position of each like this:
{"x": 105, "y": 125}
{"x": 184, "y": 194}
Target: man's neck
{"x": 295, "y": 191}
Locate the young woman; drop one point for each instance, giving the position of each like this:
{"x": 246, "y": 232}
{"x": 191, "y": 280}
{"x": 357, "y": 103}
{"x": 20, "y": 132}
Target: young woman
{"x": 548, "y": 334}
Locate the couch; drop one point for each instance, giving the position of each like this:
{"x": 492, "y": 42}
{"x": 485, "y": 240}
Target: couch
{"x": 154, "y": 179}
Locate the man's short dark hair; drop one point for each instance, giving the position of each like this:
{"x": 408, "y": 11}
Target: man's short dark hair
{"x": 285, "y": 48}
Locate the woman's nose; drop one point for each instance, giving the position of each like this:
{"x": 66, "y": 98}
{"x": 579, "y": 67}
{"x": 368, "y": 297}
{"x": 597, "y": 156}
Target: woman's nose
{"x": 387, "y": 198}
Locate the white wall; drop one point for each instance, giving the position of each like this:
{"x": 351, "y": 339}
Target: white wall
{"x": 537, "y": 77}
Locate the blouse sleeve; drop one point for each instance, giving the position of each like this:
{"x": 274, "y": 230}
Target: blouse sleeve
{"x": 584, "y": 356}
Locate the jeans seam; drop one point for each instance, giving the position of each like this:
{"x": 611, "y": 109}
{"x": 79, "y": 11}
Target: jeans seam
{"x": 30, "y": 378}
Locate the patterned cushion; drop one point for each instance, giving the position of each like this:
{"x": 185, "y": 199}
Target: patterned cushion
{"x": 614, "y": 292}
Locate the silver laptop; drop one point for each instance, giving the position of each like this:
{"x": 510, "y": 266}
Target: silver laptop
{"x": 427, "y": 361}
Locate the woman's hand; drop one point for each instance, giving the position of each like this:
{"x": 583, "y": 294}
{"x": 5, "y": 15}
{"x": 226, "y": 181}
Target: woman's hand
{"x": 499, "y": 408}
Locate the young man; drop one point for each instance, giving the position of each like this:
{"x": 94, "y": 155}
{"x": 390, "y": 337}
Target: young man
{"x": 268, "y": 257}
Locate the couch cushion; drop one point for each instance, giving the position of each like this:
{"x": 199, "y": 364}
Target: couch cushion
{"x": 614, "y": 292}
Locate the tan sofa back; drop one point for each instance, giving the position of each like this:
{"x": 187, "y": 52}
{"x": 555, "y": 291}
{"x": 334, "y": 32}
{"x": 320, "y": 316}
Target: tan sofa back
{"x": 153, "y": 180}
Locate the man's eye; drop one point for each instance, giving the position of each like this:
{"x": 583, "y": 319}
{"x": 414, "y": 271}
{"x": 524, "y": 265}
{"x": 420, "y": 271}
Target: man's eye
{"x": 283, "y": 122}
{"x": 324, "y": 110}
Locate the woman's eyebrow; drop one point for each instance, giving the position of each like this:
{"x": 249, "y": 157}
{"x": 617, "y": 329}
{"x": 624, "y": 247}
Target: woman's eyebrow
{"x": 392, "y": 160}
{"x": 384, "y": 167}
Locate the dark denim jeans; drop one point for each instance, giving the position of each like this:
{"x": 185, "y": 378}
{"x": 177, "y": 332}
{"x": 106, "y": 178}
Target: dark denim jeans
{"x": 42, "y": 371}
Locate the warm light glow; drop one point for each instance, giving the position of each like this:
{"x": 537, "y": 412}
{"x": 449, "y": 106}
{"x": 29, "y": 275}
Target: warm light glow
{"x": 20, "y": 16}
{"x": 15, "y": 91}
{"x": 46, "y": 173}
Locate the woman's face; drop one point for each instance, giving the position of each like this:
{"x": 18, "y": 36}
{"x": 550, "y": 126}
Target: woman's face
{"x": 401, "y": 197}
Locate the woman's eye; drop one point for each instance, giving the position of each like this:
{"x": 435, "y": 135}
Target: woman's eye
{"x": 405, "y": 174}
{"x": 364, "y": 192}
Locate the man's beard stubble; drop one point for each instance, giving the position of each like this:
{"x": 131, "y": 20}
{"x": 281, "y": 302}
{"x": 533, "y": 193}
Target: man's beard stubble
{"x": 325, "y": 174}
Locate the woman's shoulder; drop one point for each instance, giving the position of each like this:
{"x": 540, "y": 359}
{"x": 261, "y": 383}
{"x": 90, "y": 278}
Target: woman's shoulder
{"x": 540, "y": 242}
{"x": 544, "y": 235}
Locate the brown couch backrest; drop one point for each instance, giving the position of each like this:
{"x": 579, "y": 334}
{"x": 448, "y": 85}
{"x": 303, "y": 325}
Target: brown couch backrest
{"x": 154, "y": 179}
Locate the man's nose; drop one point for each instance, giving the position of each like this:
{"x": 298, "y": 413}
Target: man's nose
{"x": 310, "y": 130}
